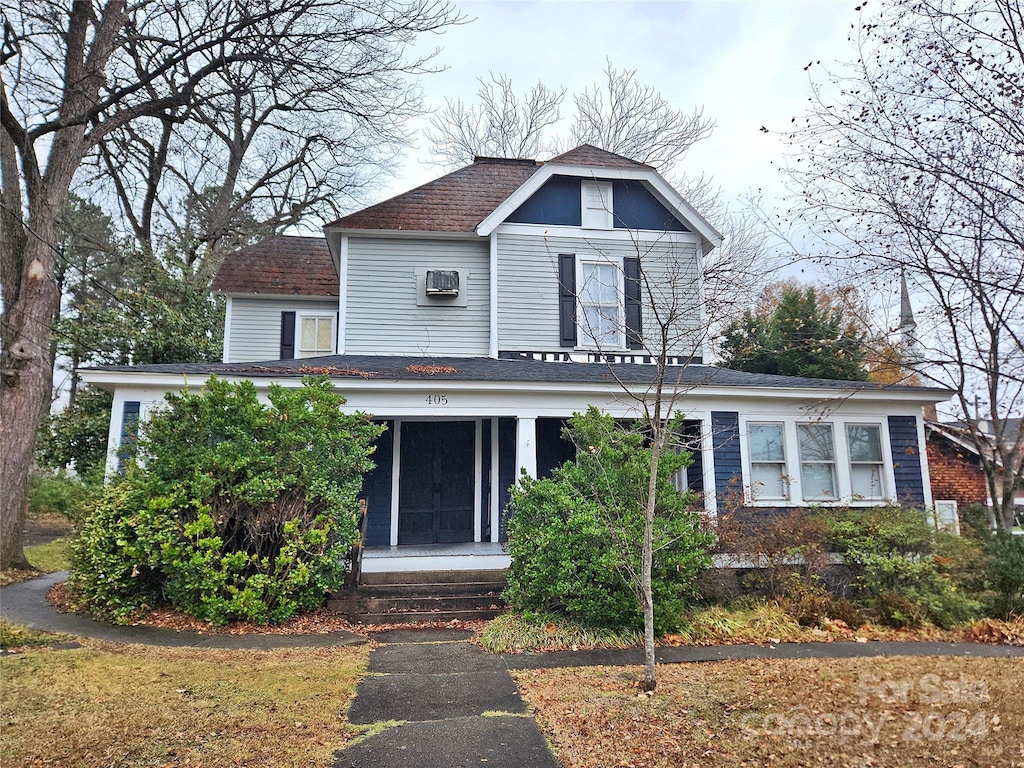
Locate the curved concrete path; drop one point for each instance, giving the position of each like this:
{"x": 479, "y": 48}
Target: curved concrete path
{"x": 437, "y": 699}
{"x": 25, "y": 603}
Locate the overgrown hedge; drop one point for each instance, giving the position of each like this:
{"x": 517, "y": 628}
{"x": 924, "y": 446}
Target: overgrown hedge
{"x": 235, "y": 509}
{"x": 575, "y": 537}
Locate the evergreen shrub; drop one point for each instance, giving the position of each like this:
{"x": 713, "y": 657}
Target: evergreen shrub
{"x": 233, "y": 509}
{"x": 892, "y": 552}
{"x": 575, "y": 536}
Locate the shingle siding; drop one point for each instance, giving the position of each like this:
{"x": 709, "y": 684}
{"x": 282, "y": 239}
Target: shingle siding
{"x": 255, "y": 330}
{"x": 906, "y": 459}
{"x": 382, "y": 315}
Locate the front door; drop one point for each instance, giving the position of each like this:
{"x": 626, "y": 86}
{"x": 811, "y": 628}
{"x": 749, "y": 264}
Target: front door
{"x": 436, "y": 482}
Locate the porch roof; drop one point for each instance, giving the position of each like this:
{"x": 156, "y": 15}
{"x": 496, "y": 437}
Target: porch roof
{"x": 486, "y": 369}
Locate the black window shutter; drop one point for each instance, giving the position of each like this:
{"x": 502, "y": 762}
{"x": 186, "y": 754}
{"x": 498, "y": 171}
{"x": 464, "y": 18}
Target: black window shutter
{"x": 634, "y": 330}
{"x": 567, "y": 298}
{"x": 287, "y": 335}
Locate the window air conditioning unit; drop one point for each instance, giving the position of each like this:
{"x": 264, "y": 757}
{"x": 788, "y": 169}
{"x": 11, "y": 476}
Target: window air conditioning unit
{"x": 442, "y": 282}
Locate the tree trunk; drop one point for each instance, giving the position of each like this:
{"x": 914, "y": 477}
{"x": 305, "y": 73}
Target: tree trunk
{"x": 27, "y": 371}
{"x": 647, "y": 568}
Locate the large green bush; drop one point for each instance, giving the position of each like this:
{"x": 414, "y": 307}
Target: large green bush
{"x": 1004, "y": 573}
{"x": 62, "y": 494}
{"x": 236, "y": 509}
{"x": 892, "y": 554}
{"x": 575, "y": 537}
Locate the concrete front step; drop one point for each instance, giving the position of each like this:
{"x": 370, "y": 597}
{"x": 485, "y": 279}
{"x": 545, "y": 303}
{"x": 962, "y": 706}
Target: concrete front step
{"x": 426, "y": 617}
{"x": 432, "y": 590}
{"x": 486, "y": 602}
{"x": 424, "y": 596}
{"x": 432, "y": 577}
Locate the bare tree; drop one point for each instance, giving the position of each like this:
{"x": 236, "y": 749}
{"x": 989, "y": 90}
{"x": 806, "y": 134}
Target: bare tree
{"x": 74, "y": 77}
{"x": 909, "y": 160}
{"x": 635, "y": 120}
{"x": 676, "y": 288}
{"x": 500, "y": 124}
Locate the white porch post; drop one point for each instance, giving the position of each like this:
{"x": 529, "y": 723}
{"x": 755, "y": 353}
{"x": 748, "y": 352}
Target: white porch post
{"x": 526, "y": 445}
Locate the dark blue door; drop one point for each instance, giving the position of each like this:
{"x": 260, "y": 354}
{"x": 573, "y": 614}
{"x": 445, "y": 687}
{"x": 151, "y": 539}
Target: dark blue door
{"x": 436, "y": 481}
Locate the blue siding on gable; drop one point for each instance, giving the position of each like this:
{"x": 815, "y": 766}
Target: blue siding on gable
{"x": 377, "y": 491}
{"x": 725, "y": 440}
{"x": 556, "y": 203}
{"x": 906, "y": 459}
{"x": 636, "y": 208}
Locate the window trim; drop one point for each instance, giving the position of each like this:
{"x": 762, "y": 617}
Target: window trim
{"x": 793, "y": 463}
{"x": 302, "y": 316}
{"x": 881, "y": 463}
{"x": 833, "y": 463}
{"x": 785, "y": 475}
{"x": 582, "y": 334}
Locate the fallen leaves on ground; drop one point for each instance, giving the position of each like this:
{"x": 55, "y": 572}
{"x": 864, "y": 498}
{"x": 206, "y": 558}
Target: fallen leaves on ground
{"x": 129, "y": 705}
{"x": 911, "y": 712}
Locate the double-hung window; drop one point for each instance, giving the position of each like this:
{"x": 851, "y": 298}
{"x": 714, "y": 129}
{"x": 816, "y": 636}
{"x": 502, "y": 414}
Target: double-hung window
{"x": 867, "y": 480}
{"x": 601, "y": 309}
{"x": 315, "y": 335}
{"x": 767, "y": 461}
{"x": 817, "y": 462}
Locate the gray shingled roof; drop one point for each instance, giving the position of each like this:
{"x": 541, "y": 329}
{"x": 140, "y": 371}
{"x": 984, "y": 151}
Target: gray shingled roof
{"x": 502, "y": 370}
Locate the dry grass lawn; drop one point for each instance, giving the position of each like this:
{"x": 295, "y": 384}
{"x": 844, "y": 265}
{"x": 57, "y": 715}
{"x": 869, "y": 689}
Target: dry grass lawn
{"x": 114, "y": 705}
{"x": 856, "y": 713}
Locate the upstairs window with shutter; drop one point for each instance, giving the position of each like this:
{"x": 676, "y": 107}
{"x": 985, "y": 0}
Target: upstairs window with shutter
{"x": 599, "y": 302}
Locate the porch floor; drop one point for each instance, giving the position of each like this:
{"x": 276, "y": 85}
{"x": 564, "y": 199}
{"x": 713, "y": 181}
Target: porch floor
{"x": 469, "y": 556}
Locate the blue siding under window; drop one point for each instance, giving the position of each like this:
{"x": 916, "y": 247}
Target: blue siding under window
{"x": 558, "y": 202}
{"x": 725, "y": 439}
{"x": 377, "y": 490}
{"x": 636, "y": 208}
{"x": 906, "y": 459}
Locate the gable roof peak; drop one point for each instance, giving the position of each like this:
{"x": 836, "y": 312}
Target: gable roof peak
{"x": 588, "y": 154}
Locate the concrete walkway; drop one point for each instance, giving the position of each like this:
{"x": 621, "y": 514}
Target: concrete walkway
{"x": 448, "y": 703}
{"x": 438, "y": 699}
{"x": 26, "y": 604}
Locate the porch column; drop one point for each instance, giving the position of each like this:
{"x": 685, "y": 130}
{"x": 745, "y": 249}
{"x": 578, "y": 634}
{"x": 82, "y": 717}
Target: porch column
{"x": 526, "y": 445}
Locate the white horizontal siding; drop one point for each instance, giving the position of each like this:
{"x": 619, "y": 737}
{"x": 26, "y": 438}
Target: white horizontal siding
{"x": 254, "y": 333}
{"x": 528, "y": 287}
{"x": 381, "y": 312}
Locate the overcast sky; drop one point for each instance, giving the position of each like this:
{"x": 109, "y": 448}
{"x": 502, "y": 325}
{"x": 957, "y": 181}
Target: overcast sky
{"x": 743, "y": 61}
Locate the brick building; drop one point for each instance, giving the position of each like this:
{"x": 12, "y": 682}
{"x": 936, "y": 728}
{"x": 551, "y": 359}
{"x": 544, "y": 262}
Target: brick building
{"x": 954, "y": 467}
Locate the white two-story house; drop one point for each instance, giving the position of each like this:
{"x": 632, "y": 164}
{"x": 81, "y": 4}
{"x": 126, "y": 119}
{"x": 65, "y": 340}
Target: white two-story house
{"x": 477, "y": 312}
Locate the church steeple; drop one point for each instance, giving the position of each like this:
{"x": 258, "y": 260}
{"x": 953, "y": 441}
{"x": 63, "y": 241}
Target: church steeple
{"x": 908, "y": 327}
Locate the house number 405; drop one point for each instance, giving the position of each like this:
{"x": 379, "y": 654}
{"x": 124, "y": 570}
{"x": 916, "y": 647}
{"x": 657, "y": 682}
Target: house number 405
{"x": 437, "y": 399}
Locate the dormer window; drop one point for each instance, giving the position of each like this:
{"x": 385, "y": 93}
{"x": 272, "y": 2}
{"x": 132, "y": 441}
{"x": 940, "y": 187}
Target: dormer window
{"x": 597, "y": 205}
